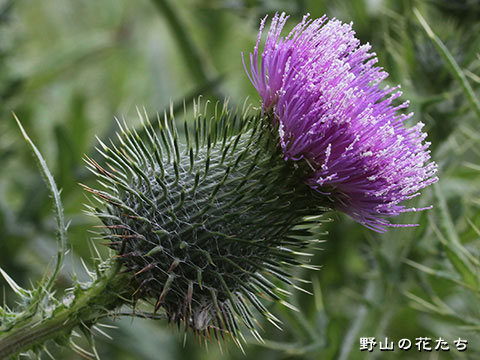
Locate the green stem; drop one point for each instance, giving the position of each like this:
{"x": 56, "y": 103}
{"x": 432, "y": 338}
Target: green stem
{"x": 89, "y": 305}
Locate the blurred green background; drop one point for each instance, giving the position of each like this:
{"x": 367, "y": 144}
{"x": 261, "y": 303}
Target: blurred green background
{"x": 68, "y": 67}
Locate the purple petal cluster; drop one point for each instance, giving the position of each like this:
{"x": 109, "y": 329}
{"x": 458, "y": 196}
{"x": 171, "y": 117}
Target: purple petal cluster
{"x": 323, "y": 89}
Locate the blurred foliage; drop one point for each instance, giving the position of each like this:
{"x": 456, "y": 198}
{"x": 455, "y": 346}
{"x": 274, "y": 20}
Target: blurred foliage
{"x": 66, "y": 68}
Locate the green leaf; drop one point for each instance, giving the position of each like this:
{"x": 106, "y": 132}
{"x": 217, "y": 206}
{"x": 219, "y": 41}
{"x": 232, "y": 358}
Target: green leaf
{"x": 436, "y": 273}
{"x": 462, "y": 266}
{"x": 455, "y": 251}
{"x": 55, "y": 193}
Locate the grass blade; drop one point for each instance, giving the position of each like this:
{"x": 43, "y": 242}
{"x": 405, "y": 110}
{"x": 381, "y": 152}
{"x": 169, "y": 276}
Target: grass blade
{"x": 452, "y": 64}
{"x": 455, "y": 251}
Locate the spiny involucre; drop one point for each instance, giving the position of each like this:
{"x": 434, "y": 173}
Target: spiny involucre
{"x": 323, "y": 90}
{"x": 206, "y": 222}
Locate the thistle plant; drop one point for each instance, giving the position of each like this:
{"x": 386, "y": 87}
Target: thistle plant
{"x": 207, "y": 220}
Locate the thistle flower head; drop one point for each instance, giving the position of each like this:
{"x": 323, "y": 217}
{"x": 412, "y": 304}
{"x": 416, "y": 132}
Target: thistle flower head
{"x": 324, "y": 91}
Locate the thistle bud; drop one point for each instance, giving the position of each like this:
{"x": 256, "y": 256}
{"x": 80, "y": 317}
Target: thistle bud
{"x": 205, "y": 221}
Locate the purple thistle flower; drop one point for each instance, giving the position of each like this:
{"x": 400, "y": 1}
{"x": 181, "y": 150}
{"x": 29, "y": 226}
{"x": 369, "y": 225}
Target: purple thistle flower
{"x": 323, "y": 90}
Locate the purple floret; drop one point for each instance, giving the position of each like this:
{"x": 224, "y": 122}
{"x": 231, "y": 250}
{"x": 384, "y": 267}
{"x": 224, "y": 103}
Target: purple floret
{"x": 323, "y": 89}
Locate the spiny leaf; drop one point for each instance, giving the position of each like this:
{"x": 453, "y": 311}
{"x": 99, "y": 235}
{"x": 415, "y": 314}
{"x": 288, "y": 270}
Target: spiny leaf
{"x": 55, "y": 193}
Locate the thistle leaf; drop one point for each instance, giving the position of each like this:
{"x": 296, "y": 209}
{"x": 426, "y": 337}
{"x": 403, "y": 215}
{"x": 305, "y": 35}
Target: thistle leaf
{"x": 55, "y": 193}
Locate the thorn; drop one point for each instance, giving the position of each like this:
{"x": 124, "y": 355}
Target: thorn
{"x": 157, "y": 305}
{"x": 89, "y": 273}
{"x": 303, "y": 290}
{"x": 288, "y": 305}
{"x": 15, "y": 287}
{"x": 82, "y": 352}
{"x": 44, "y": 348}
{"x": 140, "y": 287}
{"x": 146, "y": 268}
{"x": 107, "y": 326}
{"x": 102, "y": 332}
{"x": 175, "y": 263}
{"x": 166, "y": 288}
